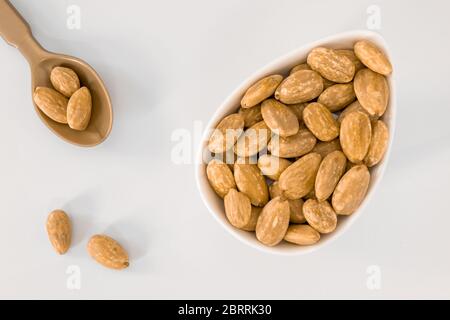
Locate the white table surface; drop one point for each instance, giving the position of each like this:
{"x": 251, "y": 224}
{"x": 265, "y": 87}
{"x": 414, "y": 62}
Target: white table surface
{"x": 169, "y": 64}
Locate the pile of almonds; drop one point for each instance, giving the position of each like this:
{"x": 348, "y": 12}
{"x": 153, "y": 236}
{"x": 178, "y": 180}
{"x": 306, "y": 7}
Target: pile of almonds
{"x": 298, "y": 152}
{"x": 101, "y": 248}
{"x": 67, "y": 103}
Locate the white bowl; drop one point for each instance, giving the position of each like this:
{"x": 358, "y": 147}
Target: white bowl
{"x": 231, "y": 105}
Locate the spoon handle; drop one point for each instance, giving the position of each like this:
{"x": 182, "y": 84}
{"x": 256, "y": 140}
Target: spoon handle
{"x": 16, "y": 31}
{"x": 13, "y": 28}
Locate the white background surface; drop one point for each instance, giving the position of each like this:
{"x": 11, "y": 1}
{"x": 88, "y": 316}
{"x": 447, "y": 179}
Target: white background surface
{"x": 168, "y": 64}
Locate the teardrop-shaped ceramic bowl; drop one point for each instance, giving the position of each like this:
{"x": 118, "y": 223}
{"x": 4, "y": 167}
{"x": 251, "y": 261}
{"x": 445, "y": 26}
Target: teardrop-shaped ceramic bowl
{"x": 231, "y": 105}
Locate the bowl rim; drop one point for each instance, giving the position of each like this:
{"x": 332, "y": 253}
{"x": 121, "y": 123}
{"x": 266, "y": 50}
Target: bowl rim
{"x": 267, "y": 69}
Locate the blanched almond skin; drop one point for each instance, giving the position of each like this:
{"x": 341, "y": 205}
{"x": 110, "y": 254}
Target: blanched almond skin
{"x": 279, "y": 118}
{"x": 350, "y": 165}
{"x": 337, "y": 97}
{"x": 378, "y": 144}
{"x": 293, "y": 146}
{"x": 220, "y": 177}
{"x": 304, "y": 66}
{"x": 229, "y": 158}
{"x": 261, "y": 90}
{"x": 273, "y": 222}
{"x": 295, "y": 206}
{"x": 65, "y": 81}
{"x": 372, "y": 91}
{"x": 355, "y": 137}
{"x": 275, "y": 190}
{"x": 372, "y": 57}
{"x": 226, "y": 133}
{"x": 311, "y": 195}
{"x": 320, "y": 215}
{"x": 238, "y": 208}
{"x": 251, "y": 182}
{"x": 108, "y": 252}
{"x": 326, "y": 147}
{"x": 331, "y": 65}
{"x": 351, "y": 190}
{"x": 296, "y": 211}
{"x": 302, "y": 235}
{"x": 352, "y": 56}
{"x": 301, "y": 86}
{"x": 52, "y": 103}
{"x": 320, "y": 122}
{"x": 298, "y": 110}
{"x": 251, "y": 225}
{"x": 298, "y": 179}
{"x": 251, "y": 115}
{"x": 355, "y": 106}
{"x": 253, "y": 140}
{"x": 79, "y": 109}
{"x": 272, "y": 166}
{"x": 59, "y": 231}
{"x": 301, "y": 66}
{"x": 330, "y": 172}
{"x": 327, "y": 83}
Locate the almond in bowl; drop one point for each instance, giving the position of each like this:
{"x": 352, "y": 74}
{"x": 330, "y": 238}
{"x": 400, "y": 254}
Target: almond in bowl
{"x": 319, "y": 135}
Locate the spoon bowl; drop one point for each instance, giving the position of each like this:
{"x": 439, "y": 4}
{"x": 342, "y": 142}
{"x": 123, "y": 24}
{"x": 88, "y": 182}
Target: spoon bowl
{"x": 17, "y": 33}
{"x": 101, "y": 118}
